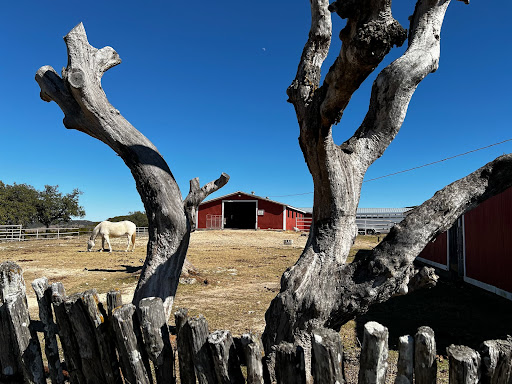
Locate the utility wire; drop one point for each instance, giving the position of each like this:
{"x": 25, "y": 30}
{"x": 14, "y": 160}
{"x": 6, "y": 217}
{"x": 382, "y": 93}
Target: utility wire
{"x": 413, "y": 168}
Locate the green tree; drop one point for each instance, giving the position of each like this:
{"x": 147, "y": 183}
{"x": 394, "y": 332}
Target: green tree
{"x": 139, "y": 218}
{"x": 17, "y": 204}
{"x": 54, "y": 208}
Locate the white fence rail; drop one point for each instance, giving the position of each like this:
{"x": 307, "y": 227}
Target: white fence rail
{"x": 374, "y": 226}
{"x": 142, "y": 231}
{"x": 10, "y": 232}
{"x": 49, "y": 233}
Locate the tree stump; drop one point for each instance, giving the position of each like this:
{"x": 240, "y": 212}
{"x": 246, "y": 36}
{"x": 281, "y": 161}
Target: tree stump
{"x": 464, "y": 365}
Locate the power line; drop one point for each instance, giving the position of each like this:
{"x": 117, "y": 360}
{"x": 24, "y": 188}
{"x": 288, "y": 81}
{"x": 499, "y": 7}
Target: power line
{"x": 413, "y": 168}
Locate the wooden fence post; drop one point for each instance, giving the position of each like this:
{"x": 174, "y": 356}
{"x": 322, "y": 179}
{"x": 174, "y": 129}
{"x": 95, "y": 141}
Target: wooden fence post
{"x": 193, "y": 348}
{"x": 425, "y": 363}
{"x": 87, "y": 318}
{"x": 25, "y": 343}
{"x": 327, "y": 359}
{"x": 156, "y": 338}
{"x": 253, "y": 351}
{"x": 289, "y": 364}
{"x": 405, "y": 365}
{"x": 8, "y": 362}
{"x": 496, "y": 362}
{"x": 44, "y": 300}
{"x": 464, "y": 365}
{"x": 114, "y": 300}
{"x": 185, "y": 350}
{"x": 225, "y": 359}
{"x": 374, "y": 354}
{"x": 132, "y": 363}
{"x": 66, "y": 335}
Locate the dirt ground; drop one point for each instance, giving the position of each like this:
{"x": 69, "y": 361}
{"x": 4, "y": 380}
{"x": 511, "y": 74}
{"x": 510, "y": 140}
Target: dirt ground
{"x": 238, "y": 275}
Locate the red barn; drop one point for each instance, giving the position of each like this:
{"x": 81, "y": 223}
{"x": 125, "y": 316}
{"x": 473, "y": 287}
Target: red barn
{"x": 477, "y": 247}
{"x": 240, "y": 210}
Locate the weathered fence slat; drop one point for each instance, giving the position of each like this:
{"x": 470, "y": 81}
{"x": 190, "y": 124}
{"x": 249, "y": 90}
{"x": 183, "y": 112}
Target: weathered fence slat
{"x": 8, "y": 363}
{"x": 68, "y": 341}
{"x": 88, "y": 322}
{"x": 327, "y": 356}
{"x": 425, "y": 363}
{"x": 253, "y": 352}
{"x": 225, "y": 358}
{"x": 374, "y": 354}
{"x": 44, "y": 300}
{"x": 156, "y": 338}
{"x": 132, "y": 363}
{"x": 464, "y": 365}
{"x": 114, "y": 300}
{"x": 496, "y": 362}
{"x": 405, "y": 364}
{"x": 290, "y": 366}
{"x": 25, "y": 343}
{"x": 202, "y": 358}
{"x": 185, "y": 350}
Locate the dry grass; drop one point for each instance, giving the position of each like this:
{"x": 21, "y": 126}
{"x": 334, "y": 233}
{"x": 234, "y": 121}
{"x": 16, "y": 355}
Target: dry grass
{"x": 239, "y": 274}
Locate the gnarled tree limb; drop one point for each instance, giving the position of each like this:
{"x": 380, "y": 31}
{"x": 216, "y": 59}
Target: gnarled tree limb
{"x": 86, "y": 108}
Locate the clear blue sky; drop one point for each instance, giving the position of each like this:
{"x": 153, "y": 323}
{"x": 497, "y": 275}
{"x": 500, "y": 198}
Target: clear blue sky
{"x": 206, "y": 81}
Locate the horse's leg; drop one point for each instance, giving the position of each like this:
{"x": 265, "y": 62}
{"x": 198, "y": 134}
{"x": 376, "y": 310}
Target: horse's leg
{"x": 102, "y": 243}
{"x": 108, "y": 242}
{"x": 129, "y": 242}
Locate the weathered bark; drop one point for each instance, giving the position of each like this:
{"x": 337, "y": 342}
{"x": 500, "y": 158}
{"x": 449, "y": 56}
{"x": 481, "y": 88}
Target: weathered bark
{"x": 321, "y": 290}
{"x": 425, "y": 363}
{"x": 253, "y": 351}
{"x": 373, "y": 363}
{"x": 132, "y": 362}
{"x": 25, "y": 348}
{"x": 156, "y": 338}
{"x": 80, "y": 96}
{"x": 464, "y": 365}
{"x": 327, "y": 356}
{"x": 496, "y": 361}
{"x": 44, "y": 299}
{"x": 225, "y": 358}
{"x": 405, "y": 365}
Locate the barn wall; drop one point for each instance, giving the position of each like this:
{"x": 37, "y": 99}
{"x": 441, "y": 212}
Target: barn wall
{"x": 208, "y": 208}
{"x": 488, "y": 251}
{"x": 436, "y": 252}
{"x": 272, "y": 217}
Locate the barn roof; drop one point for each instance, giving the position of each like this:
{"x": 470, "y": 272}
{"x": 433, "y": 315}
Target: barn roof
{"x": 254, "y": 197}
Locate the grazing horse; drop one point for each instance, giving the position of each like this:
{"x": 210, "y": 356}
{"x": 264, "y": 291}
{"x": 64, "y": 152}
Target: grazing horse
{"x": 106, "y": 229}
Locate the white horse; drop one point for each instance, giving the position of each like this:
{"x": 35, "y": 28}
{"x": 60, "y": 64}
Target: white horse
{"x": 106, "y": 229}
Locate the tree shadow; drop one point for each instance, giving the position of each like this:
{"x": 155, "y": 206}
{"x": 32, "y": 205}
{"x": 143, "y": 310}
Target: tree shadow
{"x": 130, "y": 269}
{"x": 458, "y": 313}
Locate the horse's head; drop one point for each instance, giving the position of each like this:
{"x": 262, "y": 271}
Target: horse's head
{"x": 90, "y": 244}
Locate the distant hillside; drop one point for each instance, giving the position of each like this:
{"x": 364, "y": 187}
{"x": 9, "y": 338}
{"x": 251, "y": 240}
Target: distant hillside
{"x": 139, "y": 218}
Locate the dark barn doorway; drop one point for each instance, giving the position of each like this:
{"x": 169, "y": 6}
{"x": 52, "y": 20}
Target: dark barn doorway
{"x": 240, "y": 214}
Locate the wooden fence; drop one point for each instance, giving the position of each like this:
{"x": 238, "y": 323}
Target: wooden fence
{"x": 10, "y": 232}
{"x": 121, "y": 343}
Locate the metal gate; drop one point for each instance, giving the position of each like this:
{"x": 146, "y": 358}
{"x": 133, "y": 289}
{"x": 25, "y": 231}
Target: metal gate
{"x": 303, "y": 223}
{"x": 213, "y": 221}
{"x": 10, "y": 232}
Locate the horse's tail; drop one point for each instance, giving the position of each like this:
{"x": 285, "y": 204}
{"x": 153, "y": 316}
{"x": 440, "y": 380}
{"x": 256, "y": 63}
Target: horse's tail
{"x": 133, "y": 240}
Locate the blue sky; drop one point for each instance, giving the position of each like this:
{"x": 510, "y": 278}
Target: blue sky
{"x": 206, "y": 81}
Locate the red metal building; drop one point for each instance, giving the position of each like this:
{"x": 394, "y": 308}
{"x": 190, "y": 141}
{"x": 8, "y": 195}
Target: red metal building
{"x": 477, "y": 247}
{"x": 240, "y": 210}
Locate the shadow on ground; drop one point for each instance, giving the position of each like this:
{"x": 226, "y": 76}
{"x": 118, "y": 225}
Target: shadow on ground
{"x": 127, "y": 268}
{"x": 458, "y": 313}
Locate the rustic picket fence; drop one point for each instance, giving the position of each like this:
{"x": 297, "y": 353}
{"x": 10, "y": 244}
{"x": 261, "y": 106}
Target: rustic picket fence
{"x": 133, "y": 345}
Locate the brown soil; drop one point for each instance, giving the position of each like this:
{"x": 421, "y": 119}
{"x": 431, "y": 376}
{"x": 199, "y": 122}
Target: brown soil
{"x": 238, "y": 276}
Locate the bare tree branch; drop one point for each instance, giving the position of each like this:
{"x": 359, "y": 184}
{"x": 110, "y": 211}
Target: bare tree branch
{"x": 197, "y": 195}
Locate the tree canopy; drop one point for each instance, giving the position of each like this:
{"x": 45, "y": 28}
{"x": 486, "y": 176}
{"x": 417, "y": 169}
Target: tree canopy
{"x": 23, "y": 204}
{"x": 139, "y": 218}
{"x": 17, "y": 204}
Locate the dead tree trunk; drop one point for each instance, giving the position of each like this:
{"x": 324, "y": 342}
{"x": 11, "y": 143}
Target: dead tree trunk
{"x": 321, "y": 290}
{"x": 86, "y": 108}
